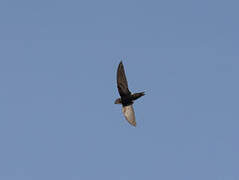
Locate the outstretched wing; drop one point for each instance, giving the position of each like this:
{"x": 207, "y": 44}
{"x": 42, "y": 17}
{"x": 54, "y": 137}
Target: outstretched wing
{"x": 122, "y": 83}
{"x": 129, "y": 115}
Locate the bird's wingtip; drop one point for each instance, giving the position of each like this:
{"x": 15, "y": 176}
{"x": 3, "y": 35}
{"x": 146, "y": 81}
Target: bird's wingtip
{"x": 133, "y": 123}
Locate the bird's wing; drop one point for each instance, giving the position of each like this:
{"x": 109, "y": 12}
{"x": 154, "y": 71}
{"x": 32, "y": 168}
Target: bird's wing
{"x": 122, "y": 83}
{"x": 129, "y": 115}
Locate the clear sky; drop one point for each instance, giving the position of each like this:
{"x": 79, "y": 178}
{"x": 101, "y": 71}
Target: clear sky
{"x": 58, "y": 62}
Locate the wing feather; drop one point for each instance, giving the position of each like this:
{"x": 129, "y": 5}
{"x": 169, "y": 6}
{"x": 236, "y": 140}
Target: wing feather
{"x": 129, "y": 114}
{"x": 122, "y": 83}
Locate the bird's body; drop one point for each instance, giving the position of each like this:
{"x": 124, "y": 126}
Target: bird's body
{"x": 127, "y": 99}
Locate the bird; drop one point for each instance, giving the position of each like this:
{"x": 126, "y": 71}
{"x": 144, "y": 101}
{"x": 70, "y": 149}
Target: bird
{"x": 126, "y": 97}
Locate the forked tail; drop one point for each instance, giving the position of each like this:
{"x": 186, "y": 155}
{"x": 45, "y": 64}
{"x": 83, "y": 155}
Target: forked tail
{"x": 137, "y": 95}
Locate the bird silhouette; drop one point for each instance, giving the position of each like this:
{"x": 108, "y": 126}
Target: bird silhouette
{"x": 126, "y": 98}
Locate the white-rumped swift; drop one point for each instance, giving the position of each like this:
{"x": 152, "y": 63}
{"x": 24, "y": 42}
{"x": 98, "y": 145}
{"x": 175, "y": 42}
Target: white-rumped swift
{"x": 126, "y": 98}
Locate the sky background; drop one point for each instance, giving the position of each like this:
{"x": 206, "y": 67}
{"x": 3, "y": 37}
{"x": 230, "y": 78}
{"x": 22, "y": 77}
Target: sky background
{"x": 58, "y": 62}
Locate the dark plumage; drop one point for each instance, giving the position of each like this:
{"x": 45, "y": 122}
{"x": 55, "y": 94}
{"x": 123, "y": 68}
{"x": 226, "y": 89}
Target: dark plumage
{"x": 127, "y": 98}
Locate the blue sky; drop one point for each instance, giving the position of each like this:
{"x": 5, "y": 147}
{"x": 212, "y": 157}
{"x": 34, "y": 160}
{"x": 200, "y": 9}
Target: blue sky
{"x": 58, "y": 66}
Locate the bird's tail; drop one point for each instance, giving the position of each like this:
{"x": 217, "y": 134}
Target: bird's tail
{"x": 137, "y": 95}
